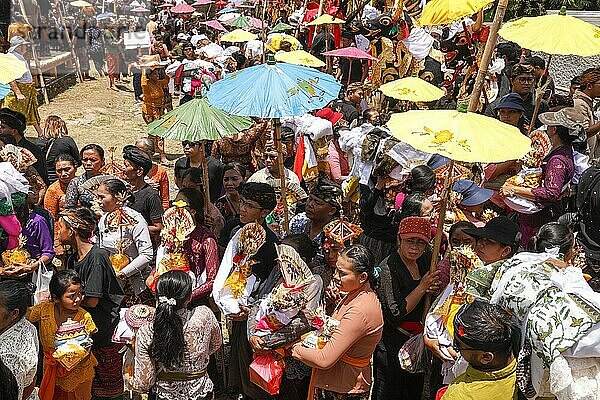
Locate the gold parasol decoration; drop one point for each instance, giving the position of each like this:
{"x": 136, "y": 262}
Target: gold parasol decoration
{"x": 113, "y": 167}
{"x": 342, "y": 231}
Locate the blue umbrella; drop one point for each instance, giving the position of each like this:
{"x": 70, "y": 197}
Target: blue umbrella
{"x": 273, "y": 91}
{"x": 4, "y": 89}
{"x": 105, "y": 15}
{"x": 227, "y": 10}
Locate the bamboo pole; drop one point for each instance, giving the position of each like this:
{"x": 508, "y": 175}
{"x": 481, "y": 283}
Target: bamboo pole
{"x": 487, "y": 55}
{"x": 35, "y": 56}
{"x": 283, "y": 190}
{"x": 70, "y": 42}
{"x": 264, "y": 38}
{"x": 205, "y": 180}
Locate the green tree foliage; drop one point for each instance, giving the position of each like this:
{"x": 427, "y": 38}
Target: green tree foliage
{"x": 531, "y": 8}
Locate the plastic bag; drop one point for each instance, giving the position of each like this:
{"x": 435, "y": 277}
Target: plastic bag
{"x": 413, "y": 355}
{"x": 41, "y": 278}
{"x": 266, "y": 372}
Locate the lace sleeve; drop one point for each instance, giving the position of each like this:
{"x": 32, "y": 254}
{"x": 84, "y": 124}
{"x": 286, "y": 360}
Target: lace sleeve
{"x": 72, "y": 194}
{"x": 145, "y": 370}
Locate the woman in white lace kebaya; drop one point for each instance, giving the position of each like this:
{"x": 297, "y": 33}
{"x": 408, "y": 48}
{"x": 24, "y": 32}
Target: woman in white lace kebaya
{"x": 18, "y": 337}
{"x": 172, "y": 352}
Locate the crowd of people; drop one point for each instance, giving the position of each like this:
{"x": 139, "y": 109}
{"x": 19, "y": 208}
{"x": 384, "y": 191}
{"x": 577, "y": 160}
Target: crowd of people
{"x": 130, "y": 276}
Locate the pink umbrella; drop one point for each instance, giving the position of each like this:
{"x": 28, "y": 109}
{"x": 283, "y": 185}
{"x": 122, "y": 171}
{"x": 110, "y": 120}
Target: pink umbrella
{"x": 215, "y": 25}
{"x": 166, "y": 5}
{"x": 350, "y": 52}
{"x": 140, "y": 10}
{"x": 199, "y": 3}
{"x": 255, "y": 22}
{"x": 183, "y": 9}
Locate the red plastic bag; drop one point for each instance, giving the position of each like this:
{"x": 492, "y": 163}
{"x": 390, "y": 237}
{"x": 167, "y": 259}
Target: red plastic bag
{"x": 266, "y": 372}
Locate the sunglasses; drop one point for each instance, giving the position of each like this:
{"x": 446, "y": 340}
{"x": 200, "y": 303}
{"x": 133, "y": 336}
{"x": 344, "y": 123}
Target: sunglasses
{"x": 187, "y": 143}
{"x": 525, "y": 80}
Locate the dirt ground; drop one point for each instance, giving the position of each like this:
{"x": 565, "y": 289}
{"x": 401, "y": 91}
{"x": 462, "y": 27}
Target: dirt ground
{"x": 95, "y": 114}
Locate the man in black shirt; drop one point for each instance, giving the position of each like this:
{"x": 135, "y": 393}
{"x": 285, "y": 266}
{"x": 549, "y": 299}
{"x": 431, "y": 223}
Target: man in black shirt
{"x": 350, "y": 106}
{"x": 193, "y": 159}
{"x": 146, "y": 200}
{"x": 13, "y": 123}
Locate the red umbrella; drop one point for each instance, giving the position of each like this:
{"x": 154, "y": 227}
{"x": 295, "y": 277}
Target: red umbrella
{"x": 199, "y": 3}
{"x": 215, "y": 25}
{"x": 183, "y": 9}
{"x": 350, "y": 52}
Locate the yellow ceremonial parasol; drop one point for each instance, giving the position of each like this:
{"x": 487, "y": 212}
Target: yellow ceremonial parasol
{"x": 274, "y": 42}
{"x": 326, "y": 19}
{"x": 559, "y": 34}
{"x": 80, "y": 3}
{"x": 412, "y": 88}
{"x": 460, "y": 135}
{"x": 238, "y": 36}
{"x": 554, "y": 34}
{"x": 299, "y": 57}
{"x": 11, "y": 68}
{"x": 445, "y": 12}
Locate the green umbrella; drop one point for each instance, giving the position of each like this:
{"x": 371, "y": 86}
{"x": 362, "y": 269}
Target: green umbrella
{"x": 281, "y": 27}
{"x": 240, "y": 22}
{"x": 197, "y": 120}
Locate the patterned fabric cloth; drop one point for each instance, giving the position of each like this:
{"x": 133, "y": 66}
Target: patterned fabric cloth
{"x": 76, "y": 196}
{"x": 108, "y": 381}
{"x": 322, "y": 394}
{"x": 94, "y": 34}
{"x": 19, "y": 352}
{"x": 301, "y": 224}
{"x": 202, "y": 337}
{"x": 556, "y": 304}
{"x": 27, "y": 107}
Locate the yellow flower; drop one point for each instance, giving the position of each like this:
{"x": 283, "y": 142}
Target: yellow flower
{"x": 180, "y": 204}
{"x": 442, "y": 136}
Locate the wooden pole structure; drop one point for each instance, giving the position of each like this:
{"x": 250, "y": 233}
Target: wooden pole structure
{"x": 277, "y": 124}
{"x": 540, "y": 94}
{"x": 70, "y": 42}
{"x": 35, "y": 56}
{"x": 262, "y": 29}
{"x": 487, "y": 55}
{"x": 205, "y": 180}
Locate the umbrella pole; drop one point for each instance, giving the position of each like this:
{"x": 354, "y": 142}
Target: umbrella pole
{"x": 487, "y": 55}
{"x": 282, "y": 175}
{"x": 437, "y": 241}
{"x": 540, "y": 94}
{"x": 349, "y": 71}
{"x": 264, "y": 39}
{"x": 205, "y": 180}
